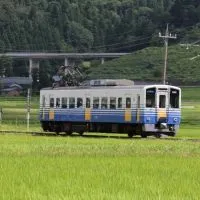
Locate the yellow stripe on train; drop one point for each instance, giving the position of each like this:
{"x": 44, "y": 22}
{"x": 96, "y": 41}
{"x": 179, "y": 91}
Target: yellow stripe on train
{"x": 128, "y": 115}
{"x": 87, "y": 114}
{"x": 162, "y": 113}
{"x": 51, "y": 115}
{"x": 138, "y": 115}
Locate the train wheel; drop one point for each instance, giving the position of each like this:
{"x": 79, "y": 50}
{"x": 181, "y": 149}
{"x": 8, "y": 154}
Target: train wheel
{"x": 81, "y": 133}
{"x": 143, "y": 135}
{"x": 57, "y": 131}
{"x": 130, "y": 134}
{"x": 158, "y": 135}
{"x": 45, "y": 127}
{"x": 68, "y": 133}
{"x": 173, "y": 134}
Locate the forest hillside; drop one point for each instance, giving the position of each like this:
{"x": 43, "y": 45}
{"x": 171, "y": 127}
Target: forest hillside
{"x": 99, "y": 26}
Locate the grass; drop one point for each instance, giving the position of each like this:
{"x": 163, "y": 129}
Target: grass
{"x": 188, "y": 131}
{"x": 92, "y": 168}
{"x": 18, "y": 102}
{"x": 15, "y": 109}
{"x": 99, "y": 166}
{"x": 191, "y": 94}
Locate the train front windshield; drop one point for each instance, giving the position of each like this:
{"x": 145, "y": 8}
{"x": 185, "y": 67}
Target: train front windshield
{"x": 174, "y": 98}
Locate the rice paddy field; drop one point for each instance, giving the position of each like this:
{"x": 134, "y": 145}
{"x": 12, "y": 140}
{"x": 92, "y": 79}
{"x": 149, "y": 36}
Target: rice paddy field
{"x": 98, "y": 166}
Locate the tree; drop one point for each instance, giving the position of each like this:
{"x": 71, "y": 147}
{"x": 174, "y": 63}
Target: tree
{"x": 82, "y": 37}
{"x": 184, "y": 12}
{"x": 5, "y": 66}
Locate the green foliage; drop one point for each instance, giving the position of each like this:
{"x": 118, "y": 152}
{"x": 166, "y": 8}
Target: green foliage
{"x": 42, "y": 25}
{"x": 97, "y": 26}
{"x": 148, "y": 65}
{"x": 5, "y": 66}
{"x": 82, "y": 37}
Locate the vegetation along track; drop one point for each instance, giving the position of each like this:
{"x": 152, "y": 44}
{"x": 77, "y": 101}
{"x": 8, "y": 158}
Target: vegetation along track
{"x": 36, "y": 133}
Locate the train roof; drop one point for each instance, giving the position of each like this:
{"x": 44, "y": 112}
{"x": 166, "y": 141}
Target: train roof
{"x": 109, "y": 84}
{"x": 109, "y": 87}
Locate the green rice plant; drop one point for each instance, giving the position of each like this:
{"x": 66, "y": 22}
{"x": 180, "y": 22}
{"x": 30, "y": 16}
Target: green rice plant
{"x": 98, "y": 168}
{"x": 190, "y": 94}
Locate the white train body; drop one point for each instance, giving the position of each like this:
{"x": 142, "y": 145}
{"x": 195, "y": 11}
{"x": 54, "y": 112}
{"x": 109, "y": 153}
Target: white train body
{"x": 136, "y": 110}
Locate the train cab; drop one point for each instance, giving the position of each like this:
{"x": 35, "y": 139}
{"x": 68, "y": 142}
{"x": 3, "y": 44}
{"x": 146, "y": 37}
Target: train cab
{"x": 162, "y": 109}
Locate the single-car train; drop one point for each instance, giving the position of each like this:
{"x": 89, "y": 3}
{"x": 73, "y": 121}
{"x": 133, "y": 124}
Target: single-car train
{"x": 133, "y": 109}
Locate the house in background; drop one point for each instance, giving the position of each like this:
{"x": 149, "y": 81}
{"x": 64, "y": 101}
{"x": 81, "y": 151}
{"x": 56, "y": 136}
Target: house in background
{"x": 13, "y": 90}
{"x": 14, "y": 86}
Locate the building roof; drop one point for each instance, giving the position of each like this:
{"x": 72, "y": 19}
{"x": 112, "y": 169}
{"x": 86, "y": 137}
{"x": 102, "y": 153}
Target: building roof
{"x": 7, "y": 81}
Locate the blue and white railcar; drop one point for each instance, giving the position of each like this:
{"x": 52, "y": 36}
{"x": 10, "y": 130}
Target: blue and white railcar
{"x": 136, "y": 110}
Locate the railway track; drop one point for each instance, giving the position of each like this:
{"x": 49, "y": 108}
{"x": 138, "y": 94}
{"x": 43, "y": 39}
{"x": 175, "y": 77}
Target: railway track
{"x": 35, "y": 133}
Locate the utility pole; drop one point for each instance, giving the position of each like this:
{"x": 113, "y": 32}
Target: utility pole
{"x": 28, "y": 108}
{"x": 166, "y": 37}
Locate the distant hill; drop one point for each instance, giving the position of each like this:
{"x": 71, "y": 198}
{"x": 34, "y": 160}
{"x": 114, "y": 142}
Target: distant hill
{"x": 98, "y": 26}
{"x": 147, "y": 65}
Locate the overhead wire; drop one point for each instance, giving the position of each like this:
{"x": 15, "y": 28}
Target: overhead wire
{"x": 115, "y": 44}
{"x": 95, "y": 47}
{"x": 132, "y": 45}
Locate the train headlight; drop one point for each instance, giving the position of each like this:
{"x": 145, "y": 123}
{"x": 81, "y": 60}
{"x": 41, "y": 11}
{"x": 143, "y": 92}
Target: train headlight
{"x": 171, "y": 128}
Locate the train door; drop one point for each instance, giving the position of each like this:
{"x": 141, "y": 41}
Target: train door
{"x": 162, "y": 102}
{"x": 128, "y": 115}
{"x": 51, "y": 107}
{"x": 138, "y": 109}
{"x": 87, "y": 108}
{"x": 43, "y": 103}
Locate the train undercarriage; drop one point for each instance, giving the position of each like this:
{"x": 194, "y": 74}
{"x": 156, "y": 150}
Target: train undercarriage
{"x": 131, "y": 129}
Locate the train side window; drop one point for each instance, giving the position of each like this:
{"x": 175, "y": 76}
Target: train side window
{"x": 87, "y": 102}
{"x": 96, "y": 102}
{"x": 51, "y": 102}
{"x": 57, "y": 102}
{"x": 119, "y": 105}
{"x": 138, "y": 101}
{"x": 128, "y": 102}
{"x": 43, "y": 101}
{"x": 112, "y": 102}
{"x": 79, "y": 102}
{"x": 71, "y": 102}
{"x": 64, "y": 102}
{"x": 104, "y": 102}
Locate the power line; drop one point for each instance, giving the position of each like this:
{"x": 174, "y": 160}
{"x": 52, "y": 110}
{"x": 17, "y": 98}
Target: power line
{"x": 191, "y": 44}
{"x": 95, "y": 47}
{"x": 115, "y": 48}
{"x": 132, "y": 45}
{"x": 116, "y": 44}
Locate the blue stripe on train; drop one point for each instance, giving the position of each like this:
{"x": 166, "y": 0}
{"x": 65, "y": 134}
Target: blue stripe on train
{"x": 110, "y": 116}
